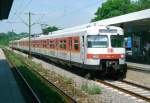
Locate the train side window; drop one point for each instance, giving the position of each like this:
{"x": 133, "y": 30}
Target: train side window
{"x": 76, "y": 44}
{"x": 45, "y": 43}
{"x": 64, "y": 44}
{"x": 50, "y": 44}
{"x": 61, "y": 44}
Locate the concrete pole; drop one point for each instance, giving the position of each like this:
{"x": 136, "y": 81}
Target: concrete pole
{"x": 29, "y": 56}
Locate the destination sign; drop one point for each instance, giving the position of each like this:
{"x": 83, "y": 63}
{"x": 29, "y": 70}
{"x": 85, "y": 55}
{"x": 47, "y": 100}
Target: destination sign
{"x": 107, "y": 30}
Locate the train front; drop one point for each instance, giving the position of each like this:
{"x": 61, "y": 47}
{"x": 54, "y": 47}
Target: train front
{"x": 106, "y": 51}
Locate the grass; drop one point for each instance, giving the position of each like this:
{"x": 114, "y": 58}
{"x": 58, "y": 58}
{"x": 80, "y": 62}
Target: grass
{"x": 67, "y": 80}
{"x": 90, "y": 88}
{"x": 46, "y": 94}
{"x": 2, "y": 46}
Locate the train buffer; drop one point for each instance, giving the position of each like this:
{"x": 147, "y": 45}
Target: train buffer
{"x": 9, "y": 90}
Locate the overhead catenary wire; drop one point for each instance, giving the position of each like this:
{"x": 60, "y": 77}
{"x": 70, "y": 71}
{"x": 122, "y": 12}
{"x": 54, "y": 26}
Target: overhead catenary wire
{"x": 64, "y": 7}
{"x": 40, "y": 19}
{"x": 22, "y": 8}
{"x": 79, "y": 9}
{"x": 16, "y": 10}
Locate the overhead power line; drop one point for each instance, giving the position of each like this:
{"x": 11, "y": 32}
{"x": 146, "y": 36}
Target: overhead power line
{"x": 64, "y": 7}
{"x": 78, "y": 10}
{"x": 22, "y": 9}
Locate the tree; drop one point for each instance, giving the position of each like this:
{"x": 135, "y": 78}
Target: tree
{"x": 6, "y": 37}
{"x": 50, "y": 29}
{"x": 113, "y": 8}
{"x": 143, "y": 4}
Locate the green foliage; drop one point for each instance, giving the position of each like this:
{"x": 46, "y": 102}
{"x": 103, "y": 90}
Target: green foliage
{"x": 144, "y": 4}
{"x": 6, "y": 37}
{"x": 90, "y": 88}
{"x": 67, "y": 80}
{"x": 50, "y": 29}
{"x": 113, "y": 8}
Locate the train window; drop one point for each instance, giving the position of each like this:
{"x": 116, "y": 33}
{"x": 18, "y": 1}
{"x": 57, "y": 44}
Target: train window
{"x": 50, "y": 44}
{"x": 64, "y": 44}
{"x": 117, "y": 40}
{"x": 76, "y": 46}
{"x": 97, "y": 41}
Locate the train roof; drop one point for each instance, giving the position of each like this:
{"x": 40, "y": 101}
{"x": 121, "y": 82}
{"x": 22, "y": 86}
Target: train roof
{"x": 76, "y": 30}
{"x": 80, "y": 28}
{"x": 68, "y": 31}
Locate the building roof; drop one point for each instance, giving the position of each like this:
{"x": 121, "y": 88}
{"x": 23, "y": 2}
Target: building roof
{"x": 5, "y": 6}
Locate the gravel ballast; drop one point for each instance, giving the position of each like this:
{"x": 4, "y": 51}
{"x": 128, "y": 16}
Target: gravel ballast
{"x": 139, "y": 77}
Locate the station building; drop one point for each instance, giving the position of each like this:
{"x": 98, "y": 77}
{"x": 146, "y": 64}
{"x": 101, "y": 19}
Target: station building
{"x": 136, "y": 26}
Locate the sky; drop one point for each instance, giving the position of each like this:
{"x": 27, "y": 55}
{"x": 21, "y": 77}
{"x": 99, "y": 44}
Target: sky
{"x": 60, "y": 13}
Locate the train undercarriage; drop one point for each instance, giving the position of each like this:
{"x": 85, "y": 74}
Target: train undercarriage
{"x": 112, "y": 68}
{"x": 109, "y": 68}
{"x": 106, "y": 68}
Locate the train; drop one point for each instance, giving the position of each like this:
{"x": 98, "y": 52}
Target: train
{"x": 96, "y": 48}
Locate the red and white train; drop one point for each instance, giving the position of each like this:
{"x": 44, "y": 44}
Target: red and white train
{"x": 98, "y": 48}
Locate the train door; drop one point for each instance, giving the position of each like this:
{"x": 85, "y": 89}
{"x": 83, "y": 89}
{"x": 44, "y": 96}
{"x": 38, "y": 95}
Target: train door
{"x": 56, "y": 47}
{"x": 82, "y": 50}
{"x": 70, "y": 48}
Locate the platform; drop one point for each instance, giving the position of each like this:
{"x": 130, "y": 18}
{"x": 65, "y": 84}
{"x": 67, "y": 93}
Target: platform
{"x": 144, "y": 67}
{"x": 9, "y": 90}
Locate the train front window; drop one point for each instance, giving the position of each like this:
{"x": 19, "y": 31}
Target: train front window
{"x": 97, "y": 41}
{"x": 117, "y": 41}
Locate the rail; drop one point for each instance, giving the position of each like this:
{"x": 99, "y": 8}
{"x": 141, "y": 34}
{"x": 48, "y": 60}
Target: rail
{"x": 135, "y": 84}
{"x": 125, "y": 90}
{"x": 66, "y": 97}
{"x": 30, "y": 91}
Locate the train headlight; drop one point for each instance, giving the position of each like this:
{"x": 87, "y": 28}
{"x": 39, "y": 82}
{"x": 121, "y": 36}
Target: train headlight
{"x": 122, "y": 56}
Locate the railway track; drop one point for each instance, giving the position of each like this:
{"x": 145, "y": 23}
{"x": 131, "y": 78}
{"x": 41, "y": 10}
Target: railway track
{"x": 140, "y": 67}
{"x": 135, "y": 90}
{"x": 66, "y": 97}
{"x": 33, "y": 97}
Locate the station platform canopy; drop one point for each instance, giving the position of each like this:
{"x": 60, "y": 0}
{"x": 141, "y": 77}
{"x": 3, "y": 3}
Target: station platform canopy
{"x": 136, "y": 21}
{"x": 5, "y": 7}
{"x": 143, "y": 15}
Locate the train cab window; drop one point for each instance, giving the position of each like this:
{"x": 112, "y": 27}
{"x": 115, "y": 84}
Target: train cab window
{"x": 117, "y": 40}
{"x": 97, "y": 41}
{"x": 76, "y": 44}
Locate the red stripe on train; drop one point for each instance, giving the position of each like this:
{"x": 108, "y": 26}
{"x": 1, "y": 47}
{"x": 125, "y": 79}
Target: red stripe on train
{"x": 105, "y": 56}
